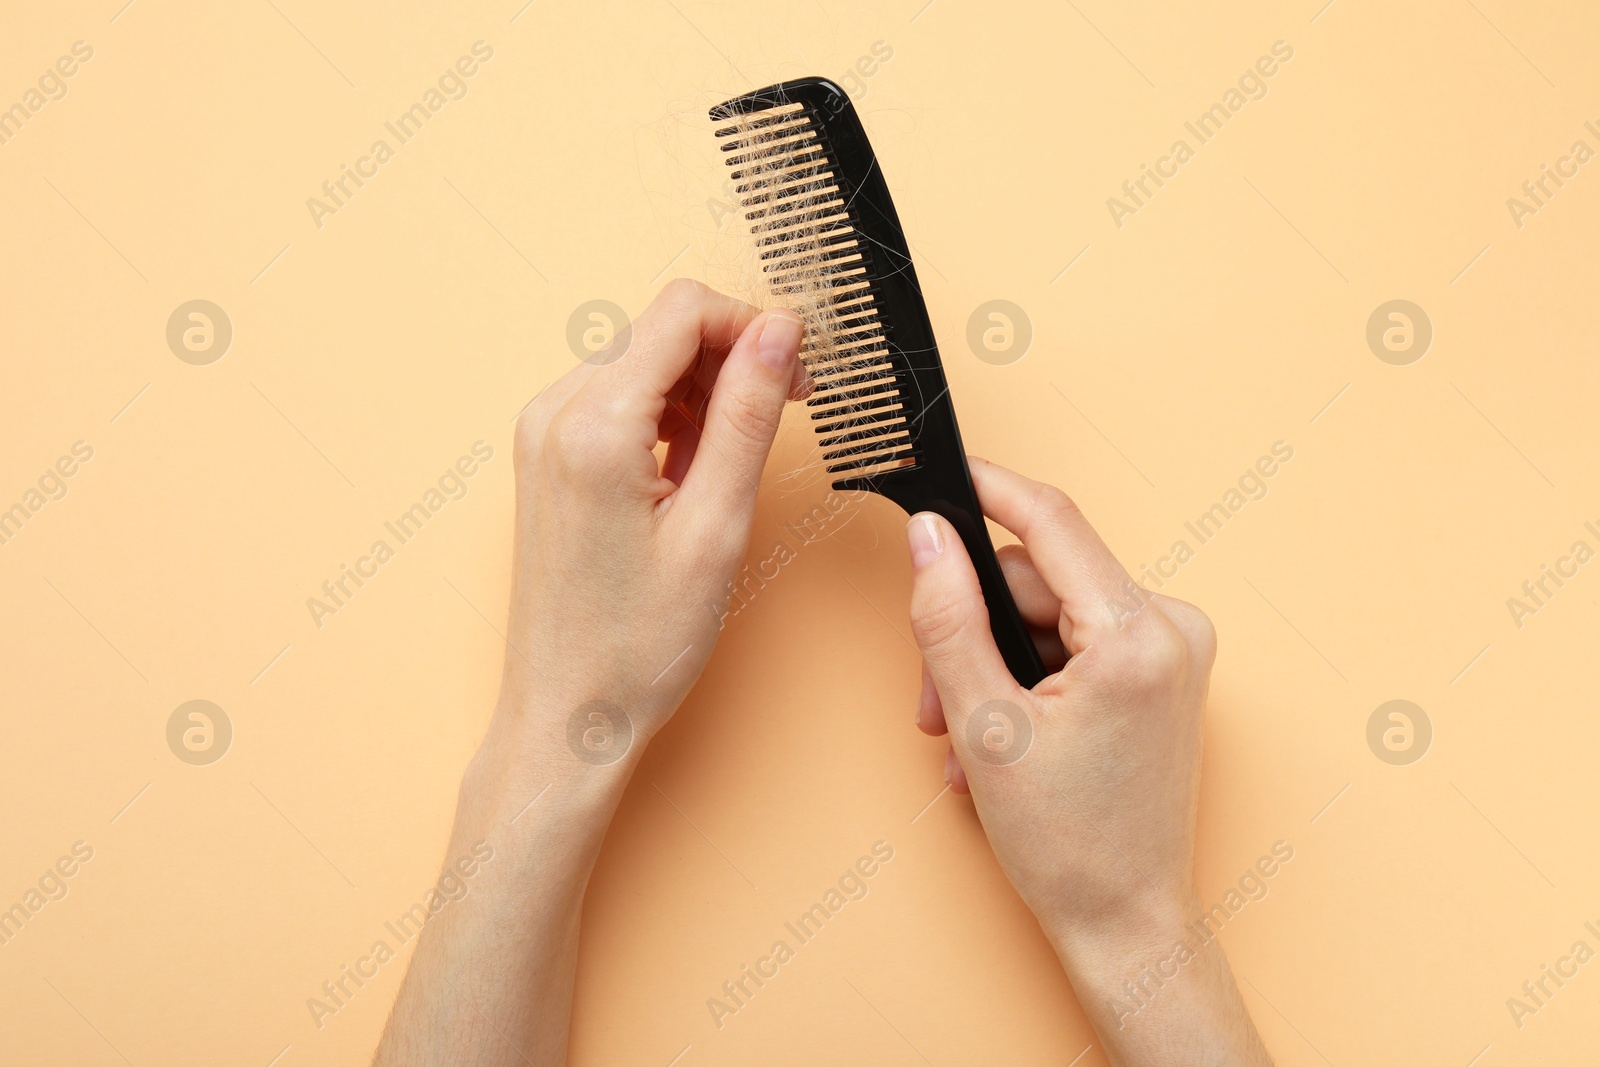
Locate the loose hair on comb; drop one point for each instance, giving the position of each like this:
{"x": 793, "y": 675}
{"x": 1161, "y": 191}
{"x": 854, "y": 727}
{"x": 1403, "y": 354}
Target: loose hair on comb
{"x": 812, "y": 261}
{"x": 830, "y": 246}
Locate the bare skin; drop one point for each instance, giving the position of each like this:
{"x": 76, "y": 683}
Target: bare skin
{"x": 617, "y": 555}
{"x": 1094, "y": 823}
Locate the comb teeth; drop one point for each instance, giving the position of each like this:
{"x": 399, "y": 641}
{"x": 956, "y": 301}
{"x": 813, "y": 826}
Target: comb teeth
{"x": 798, "y": 207}
{"x": 830, "y": 245}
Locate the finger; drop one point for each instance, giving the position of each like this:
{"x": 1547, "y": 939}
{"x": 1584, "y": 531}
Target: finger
{"x": 950, "y": 622}
{"x": 1195, "y": 626}
{"x": 1052, "y": 649}
{"x": 617, "y": 409}
{"x": 1038, "y": 606}
{"x": 535, "y": 414}
{"x": 684, "y": 322}
{"x": 688, "y": 400}
{"x": 1036, "y": 603}
{"x": 682, "y": 443}
{"x": 956, "y": 774}
{"x": 1074, "y": 562}
{"x": 930, "y": 712}
{"x": 742, "y": 418}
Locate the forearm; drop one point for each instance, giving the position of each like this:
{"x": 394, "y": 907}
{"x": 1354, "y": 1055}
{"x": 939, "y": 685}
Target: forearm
{"x": 618, "y": 551}
{"x": 491, "y": 981}
{"x": 1159, "y": 990}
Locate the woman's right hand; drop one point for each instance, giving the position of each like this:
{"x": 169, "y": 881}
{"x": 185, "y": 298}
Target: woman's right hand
{"x": 1086, "y": 785}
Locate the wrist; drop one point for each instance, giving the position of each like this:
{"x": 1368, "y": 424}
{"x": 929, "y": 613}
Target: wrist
{"x": 1146, "y": 934}
{"x": 544, "y": 784}
{"x": 1153, "y": 976}
{"x": 1157, "y": 986}
{"x": 564, "y": 731}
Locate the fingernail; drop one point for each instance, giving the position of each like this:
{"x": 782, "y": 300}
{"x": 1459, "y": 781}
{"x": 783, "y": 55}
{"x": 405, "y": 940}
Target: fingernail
{"x": 949, "y": 765}
{"x": 780, "y": 339}
{"x": 922, "y": 534}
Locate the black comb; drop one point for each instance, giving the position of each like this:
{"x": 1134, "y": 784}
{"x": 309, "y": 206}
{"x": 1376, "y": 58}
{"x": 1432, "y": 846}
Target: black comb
{"x": 824, "y": 225}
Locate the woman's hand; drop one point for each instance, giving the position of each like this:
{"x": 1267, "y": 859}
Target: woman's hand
{"x": 621, "y": 573}
{"x": 623, "y": 563}
{"x": 1087, "y": 785}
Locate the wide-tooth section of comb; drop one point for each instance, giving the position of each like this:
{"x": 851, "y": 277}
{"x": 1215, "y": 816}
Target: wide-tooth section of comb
{"x": 830, "y": 245}
{"x": 799, "y": 210}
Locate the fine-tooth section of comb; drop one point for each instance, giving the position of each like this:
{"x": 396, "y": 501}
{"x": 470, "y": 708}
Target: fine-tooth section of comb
{"x": 830, "y": 246}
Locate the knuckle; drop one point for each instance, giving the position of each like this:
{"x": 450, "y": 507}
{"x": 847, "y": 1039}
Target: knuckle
{"x": 1014, "y": 554}
{"x": 534, "y": 420}
{"x": 938, "y": 619}
{"x": 529, "y": 434}
{"x": 1153, "y": 660}
{"x": 1054, "y": 506}
{"x": 753, "y": 422}
{"x": 1164, "y": 657}
{"x": 728, "y": 543}
{"x": 1197, "y": 629}
{"x": 578, "y": 440}
{"x": 682, "y": 292}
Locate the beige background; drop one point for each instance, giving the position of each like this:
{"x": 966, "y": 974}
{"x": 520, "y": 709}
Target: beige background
{"x": 1229, "y": 313}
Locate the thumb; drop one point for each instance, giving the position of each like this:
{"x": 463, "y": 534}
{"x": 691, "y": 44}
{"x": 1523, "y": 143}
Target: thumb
{"x": 951, "y": 624}
{"x": 743, "y": 415}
